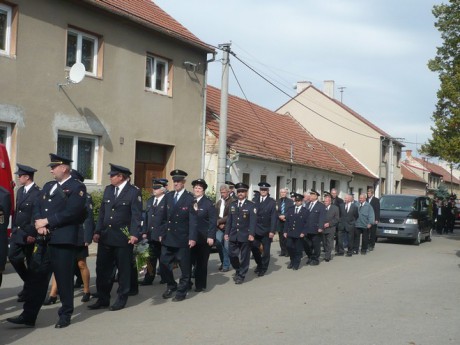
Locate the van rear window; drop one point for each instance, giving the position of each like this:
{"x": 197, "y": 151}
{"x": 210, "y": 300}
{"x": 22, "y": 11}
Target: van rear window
{"x": 398, "y": 203}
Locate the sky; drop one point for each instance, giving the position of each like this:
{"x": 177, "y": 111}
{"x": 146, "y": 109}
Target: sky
{"x": 377, "y": 50}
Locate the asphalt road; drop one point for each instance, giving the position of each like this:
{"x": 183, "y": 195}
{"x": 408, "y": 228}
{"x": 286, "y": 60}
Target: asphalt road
{"x": 398, "y": 294}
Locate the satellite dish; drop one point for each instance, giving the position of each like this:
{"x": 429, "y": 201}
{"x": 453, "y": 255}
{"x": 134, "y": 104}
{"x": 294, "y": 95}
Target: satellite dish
{"x": 77, "y": 72}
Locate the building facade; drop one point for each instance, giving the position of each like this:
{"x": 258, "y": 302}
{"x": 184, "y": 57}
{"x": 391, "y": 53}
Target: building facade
{"x": 140, "y": 105}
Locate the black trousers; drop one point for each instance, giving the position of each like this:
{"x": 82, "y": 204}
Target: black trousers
{"x": 262, "y": 260}
{"x": 107, "y": 258}
{"x": 283, "y": 243}
{"x": 200, "y": 257}
{"x": 170, "y": 255}
{"x": 294, "y": 247}
{"x": 240, "y": 255}
{"x": 372, "y": 235}
{"x": 155, "y": 254}
{"x": 328, "y": 243}
{"x": 364, "y": 242}
{"x": 19, "y": 256}
{"x": 313, "y": 246}
{"x": 62, "y": 260}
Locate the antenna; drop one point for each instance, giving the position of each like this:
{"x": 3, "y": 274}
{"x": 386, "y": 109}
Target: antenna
{"x": 341, "y": 88}
{"x": 76, "y": 75}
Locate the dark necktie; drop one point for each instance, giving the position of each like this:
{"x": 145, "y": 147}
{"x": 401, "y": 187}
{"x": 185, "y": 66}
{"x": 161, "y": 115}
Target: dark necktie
{"x": 297, "y": 209}
{"x": 240, "y": 204}
{"x": 310, "y": 207}
{"x": 175, "y": 198}
{"x": 116, "y": 191}
{"x": 155, "y": 203}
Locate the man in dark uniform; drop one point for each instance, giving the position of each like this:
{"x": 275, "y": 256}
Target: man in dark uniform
{"x": 23, "y": 231}
{"x": 178, "y": 238}
{"x": 58, "y": 212}
{"x": 117, "y": 230}
{"x": 222, "y": 208}
{"x": 231, "y": 187}
{"x": 330, "y": 226}
{"x": 5, "y": 210}
{"x": 349, "y": 215}
{"x": 240, "y": 230}
{"x": 267, "y": 218}
{"x": 282, "y": 205}
{"x": 375, "y": 203}
{"x": 315, "y": 224}
{"x": 294, "y": 230}
{"x": 154, "y": 227}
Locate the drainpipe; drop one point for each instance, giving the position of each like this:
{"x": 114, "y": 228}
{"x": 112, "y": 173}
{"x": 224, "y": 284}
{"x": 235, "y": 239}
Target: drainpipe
{"x": 203, "y": 134}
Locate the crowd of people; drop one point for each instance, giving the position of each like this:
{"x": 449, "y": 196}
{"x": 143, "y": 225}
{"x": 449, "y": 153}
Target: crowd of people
{"x": 53, "y": 227}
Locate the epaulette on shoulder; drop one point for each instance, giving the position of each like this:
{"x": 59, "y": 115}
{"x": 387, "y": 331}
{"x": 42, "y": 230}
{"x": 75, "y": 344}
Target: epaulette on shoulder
{"x": 135, "y": 186}
{"x": 251, "y": 202}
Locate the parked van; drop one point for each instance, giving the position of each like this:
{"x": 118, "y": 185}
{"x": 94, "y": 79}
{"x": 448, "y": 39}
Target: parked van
{"x": 405, "y": 217}
{"x": 6, "y": 177}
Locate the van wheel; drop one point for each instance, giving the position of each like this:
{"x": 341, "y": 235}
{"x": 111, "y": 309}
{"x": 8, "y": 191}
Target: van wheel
{"x": 418, "y": 239}
{"x": 428, "y": 238}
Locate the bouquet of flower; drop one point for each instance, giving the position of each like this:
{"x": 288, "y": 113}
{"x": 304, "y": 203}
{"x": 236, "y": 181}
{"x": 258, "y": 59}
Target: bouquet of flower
{"x": 141, "y": 252}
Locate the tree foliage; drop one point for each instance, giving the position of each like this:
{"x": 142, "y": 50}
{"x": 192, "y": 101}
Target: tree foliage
{"x": 445, "y": 141}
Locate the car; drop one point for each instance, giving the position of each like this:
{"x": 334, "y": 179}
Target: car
{"x": 405, "y": 217}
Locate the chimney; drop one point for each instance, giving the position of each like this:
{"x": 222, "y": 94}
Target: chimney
{"x": 302, "y": 85}
{"x": 328, "y": 88}
{"x": 408, "y": 154}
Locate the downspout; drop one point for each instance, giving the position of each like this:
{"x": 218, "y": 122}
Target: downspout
{"x": 203, "y": 134}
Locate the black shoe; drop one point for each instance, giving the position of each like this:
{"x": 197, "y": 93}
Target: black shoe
{"x": 371, "y": 249}
{"x": 168, "y": 293}
{"x": 98, "y": 305}
{"x": 225, "y": 270}
{"x": 21, "y": 293}
{"x": 349, "y": 254}
{"x": 295, "y": 268}
{"x": 363, "y": 253}
{"x": 145, "y": 282}
{"x": 221, "y": 267}
{"x": 282, "y": 254}
{"x": 178, "y": 298}
{"x": 327, "y": 260}
{"x": 86, "y": 297}
{"x": 62, "y": 323}
{"x": 20, "y": 320}
{"x": 50, "y": 300}
{"x": 162, "y": 282}
{"x": 289, "y": 266}
{"x": 340, "y": 254}
{"x": 286, "y": 255}
{"x": 238, "y": 281}
{"x": 199, "y": 289}
{"x": 22, "y": 298}
{"x": 314, "y": 263}
{"x": 257, "y": 270}
{"x": 261, "y": 273}
{"x": 118, "y": 305}
{"x": 355, "y": 252}
{"x": 309, "y": 261}
{"x": 133, "y": 293}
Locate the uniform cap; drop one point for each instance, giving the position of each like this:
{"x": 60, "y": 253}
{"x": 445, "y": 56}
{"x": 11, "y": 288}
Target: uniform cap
{"x": 178, "y": 175}
{"x": 200, "y": 182}
{"x": 118, "y": 169}
{"x": 25, "y": 170}
{"x": 58, "y": 160}
{"x": 314, "y": 192}
{"x": 264, "y": 185}
{"x": 158, "y": 183}
{"x": 77, "y": 175}
{"x": 242, "y": 186}
{"x": 297, "y": 196}
{"x": 230, "y": 183}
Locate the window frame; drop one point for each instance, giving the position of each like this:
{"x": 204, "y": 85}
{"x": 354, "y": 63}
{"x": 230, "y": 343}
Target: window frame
{"x": 9, "y": 29}
{"x": 9, "y": 130}
{"x": 75, "y": 138}
{"x": 96, "y": 49}
{"x": 152, "y": 77}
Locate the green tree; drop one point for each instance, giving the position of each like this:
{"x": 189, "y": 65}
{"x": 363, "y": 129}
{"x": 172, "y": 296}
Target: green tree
{"x": 442, "y": 192}
{"x": 445, "y": 141}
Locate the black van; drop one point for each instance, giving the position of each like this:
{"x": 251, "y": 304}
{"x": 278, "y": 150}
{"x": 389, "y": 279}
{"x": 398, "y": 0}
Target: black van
{"x": 405, "y": 217}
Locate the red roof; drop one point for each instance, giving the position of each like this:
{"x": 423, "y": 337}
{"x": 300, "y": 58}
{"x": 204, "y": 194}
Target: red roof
{"x": 408, "y": 174}
{"x": 437, "y": 169}
{"x": 147, "y": 13}
{"x": 262, "y": 133}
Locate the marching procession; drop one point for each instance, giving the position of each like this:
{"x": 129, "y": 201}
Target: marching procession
{"x": 53, "y": 227}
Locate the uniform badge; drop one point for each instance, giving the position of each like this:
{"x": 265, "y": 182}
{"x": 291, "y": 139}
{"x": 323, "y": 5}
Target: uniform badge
{"x": 232, "y": 209}
{"x": 255, "y": 210}
{"x": 139, "y": 198}
{"x": 81, "y": 193}
{"x": 44, "y": 197}
{"x": 90, "y": 206}
{"x": 276, "y": 207}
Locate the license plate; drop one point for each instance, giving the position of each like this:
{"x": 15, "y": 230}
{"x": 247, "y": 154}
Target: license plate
{"x": 394, "y": 232}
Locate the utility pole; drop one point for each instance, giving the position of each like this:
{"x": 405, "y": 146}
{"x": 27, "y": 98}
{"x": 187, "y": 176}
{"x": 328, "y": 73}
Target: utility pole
{"x": 222, "y": 156}
{"x": 391, "y": 173}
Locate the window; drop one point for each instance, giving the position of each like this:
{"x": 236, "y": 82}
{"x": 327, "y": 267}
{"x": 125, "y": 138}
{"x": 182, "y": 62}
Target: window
{"x": 313, "y": 185}
{"x": 294, "y": 185}
{"x": 157, "y": 74}
{"x": 263, "y": 178}
{"x": 5, "y": 29}
{"x": 304, "y": 185}
{"x": 82, "y": 150}
{"x": 82, "y": 47}
{"x": 246, "y": 179}
{"x": 5, "y": 136}
{"x": 322, "y": 188}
